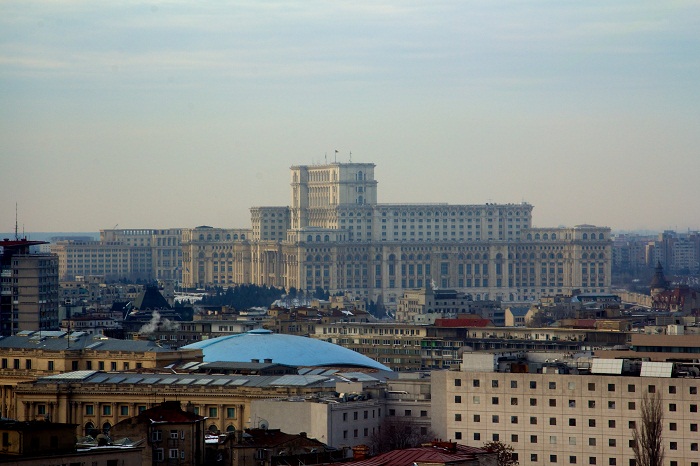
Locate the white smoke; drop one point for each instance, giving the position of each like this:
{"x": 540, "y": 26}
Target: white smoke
{"x": 157, "y": 323}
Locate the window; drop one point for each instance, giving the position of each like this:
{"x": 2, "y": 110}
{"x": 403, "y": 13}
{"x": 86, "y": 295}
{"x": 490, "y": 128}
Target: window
{"x": 159, "y": 454}
{"x": 458, "y": 382}
{"x": 552, "y": 402}
{"x": 591, "y": 403}
{"x": 476, "y": 400}
{"x": 477, "y": 436}
{"x": 572, "y": 460}
{"x": 458, "y": 417}
{"x": 494, "y": 400}
{"x": 173, "y": 434}
{"x": 458, "y": 436}
{"x": 612, "y": 461}
{"x": 591, "y": 441}
{"x": 157, "y": 435}
{"x": 89, "y": 410}
{"x": 354, "y": 416}
{"x": 591, "y": 387}
{"x": 533, "y": 439}
{"x": 230, "y": 413}
{"x": 533, "y": 401}
{"x": 552, "y": 385}
{"x": 693, "y": 408}
{"x": 405, "y": 413}
{"x": 496, "y": 437}
{"x": 514, "y": 438}
{"x": 651, "y": 388}
{"x": 533, "y": 420}
{"x": 106, "y": 410}
{"x": 477, "y": 418}
{"x": 672, "y": 426}
{"x": 533, "y": 384}
{"x": 124, "y": 410}
{"x": 611, "y": 387}
{"x": 572, "y": 422}
{"x": 591, "y": 460}
{"x": 693, "y": 427}
{"x": 513, "y": 384}
{"x": 612, "y": 442}
{"x": 213, "y": 412}
{"x": 173, "y": 453}
{"x": 458, "y": 399}
{"x": 633, "y": 424}
{"x": 552, "y": 458}
{"x": 611, "y": 423}
{"x": 673, "y": 446}
{"x": 494, "y": 383}
{"x": 632, "y": 405}
{"x": 591, "y": 423}
{"x": 345, "y": 417}
{"x": 672, "y": 406}
{"x": 694, "y": 446}
{"x": 514, "y": 402}
{"x": 553, "y": 439}
{"x": 533, "y": 457}
{"x": 552, "y": 421}
{"x": 514, "y": 419}
{"x": 672, "y": 389}
{"x": 611, "y": 405}
{"x": 494, "y": 419}
{"x": 422, "y": 414}
{"x": 693, "y": 390}
{"x": 572, "y": 403}
{"x": 631, "y": 388}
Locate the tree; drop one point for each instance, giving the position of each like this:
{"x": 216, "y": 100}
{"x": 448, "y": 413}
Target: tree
{"x": 647, "y": 442}
{"x": 396, "y": 433}
{"x": 503, "y": 451}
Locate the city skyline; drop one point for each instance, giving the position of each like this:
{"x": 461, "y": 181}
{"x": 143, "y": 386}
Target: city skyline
{"x": 169, "y": 115}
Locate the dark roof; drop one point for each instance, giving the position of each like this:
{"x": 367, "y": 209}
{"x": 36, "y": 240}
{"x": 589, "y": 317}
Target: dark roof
{"x": 463, "y": 323}
{"x": 274, "y": 438}
{"x": 29, "y": 426}
{"x": 75, "y": 341}
{"x": 169, "y": 412}
{"x": 150, "y": 298}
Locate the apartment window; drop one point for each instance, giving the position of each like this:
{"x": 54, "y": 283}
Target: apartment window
{"x": 514, "y": 402}
{"x": 612, "y": 461}
{"x": 672, "y": 406}
{"x": 693, "y": 408}
{"x": 494, "y": 383}
{"x": 672, "y": 389}
{"x": 533, "y": 384}
{"x": 476, "y": 400}
{"x": 591, "y": 403}
{"x": 533, "y": 439}
{"x": 591, "y": 441}
{"x": 496, "y": 437}
{"x": 533, "y": 420}
{"x": 533, "y": 401}
{"x": 157, "y": 435}
{"x": 173, "y": 434}
{"x": 611, "y": 387}
{"x": 572, "y": 403}
{"x": 693, "y": 390}
{"x": 632, "y": 443}
{"x": 514, "y": 419}
{"x": 106, "y": 410}
{"x": 458, "y": 417}
{"x": 572, "y": 460}
{"x": 552, "y": 458}
{"x": 591, "y": 423}
{"x": 458, "y": 382}
{"x": 159, "y": 454}
{"x": 513, "y": 384}
{"x": 651, "y": 388}
{"x": 355, "y": 433}
{"x": 406, "y": 413}
{"x": 422, "y": 414}
{"x": 631, "y": 405}
{"x": 673, "y": 446}
{"x": 694, "y": 446}
{"x": 553, "y": 439}
{"x": 572, "y": 422}
{"x": 494, "y": 419}
{"x": 101, "y": 365}
{"x": 354, "y": 416}
{"x": 693, "y": 427}
{"x": 173, "y": 453}
{"x": 591, "y": 387}
{"x": 213, "y": 412}
{"x": 514, "y": 438}
{"x": 477, "y": 436}
{"x": 494, "y": 400}
{"x": 345, "y": 416}
{"x": 124, "y": 410}
{"x": 477, "y": 418}
{"x": 612, "y": 442}
{"x": 672, "y": 426}
{"x": 552, "y": 421}
{"x": 631, "y": 388}
{"x": 592, "y": 460}
{"x": 50, "y": 365}
{"x": 533, "y": 457}
{"x": 458, "y": 399}
{"x": 476, "y": 383}
{"x": 230, "y": 413}
{"x": 113, "y": 365}
{"x": 552, "y": 402}
{"x": 552, "y": 385}
{"x": 632, "y": 424}
{"x": 458, "y": 436}
{"x": 89, "y": 410}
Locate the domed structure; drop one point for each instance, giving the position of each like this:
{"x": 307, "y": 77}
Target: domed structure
{"x": 292, "y": 350}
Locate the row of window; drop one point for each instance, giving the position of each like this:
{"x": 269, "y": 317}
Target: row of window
{"x": 591, "y": 386}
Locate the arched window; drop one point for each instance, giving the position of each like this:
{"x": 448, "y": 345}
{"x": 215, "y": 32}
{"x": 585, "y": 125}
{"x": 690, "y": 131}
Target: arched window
{"x": 392, "y": 257}
{"x": 209, "y": 237}
{"x": 217, "y": 237}
{"x": 309, "y": 238}
{"x": 318, "y": 238}
{"x": 529, "y": 236}
{"x": 554, "y": 236}
{"x": 201, "y": 237}
{"x": 601, "y": 236}
{"x": 537, "y": 236}
{"x": 90, "y": 429}
{"x": 230, "y": 428}
{"x": 545, "y": 236}
{"x": 235, "y": 236}
{"x": 106, "y": 427}
{"x": 242, "y": 236}
{"x": 326, "y": 238}
{"x": 327, "y": 258}
{"x": 228, "y": 237}
{"x": 213, "y": 428}
{"x": 585, "y": 236}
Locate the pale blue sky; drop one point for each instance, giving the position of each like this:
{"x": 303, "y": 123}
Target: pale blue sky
{"x": 164, "y": 114}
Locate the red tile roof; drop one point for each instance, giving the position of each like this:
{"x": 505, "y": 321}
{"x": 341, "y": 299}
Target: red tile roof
{"x": 432, "y": 454}
{"x": 463, "y": 323}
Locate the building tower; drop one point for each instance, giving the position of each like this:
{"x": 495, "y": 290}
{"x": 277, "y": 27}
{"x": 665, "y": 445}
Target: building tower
{"x": 28, "y": 288}
{"x": 658, "y": 284}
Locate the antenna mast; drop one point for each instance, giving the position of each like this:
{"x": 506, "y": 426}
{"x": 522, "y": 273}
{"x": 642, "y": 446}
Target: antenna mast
{"x": 16, "y": 225}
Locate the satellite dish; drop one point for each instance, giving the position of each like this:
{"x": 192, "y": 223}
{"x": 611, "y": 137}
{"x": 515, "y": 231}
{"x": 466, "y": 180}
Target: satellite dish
{"x": 263, "y": 424}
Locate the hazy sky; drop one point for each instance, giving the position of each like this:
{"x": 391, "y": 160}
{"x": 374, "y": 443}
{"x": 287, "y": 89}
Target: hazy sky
{"x": 182, "y": 113}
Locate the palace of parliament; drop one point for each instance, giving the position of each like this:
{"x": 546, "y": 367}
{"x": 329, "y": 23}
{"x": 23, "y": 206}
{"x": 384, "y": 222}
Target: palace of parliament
{"x": 335, "y": 236}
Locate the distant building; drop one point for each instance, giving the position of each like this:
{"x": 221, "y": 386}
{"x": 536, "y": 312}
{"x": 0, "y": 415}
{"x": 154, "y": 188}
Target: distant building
{"x": 29, "y": 288}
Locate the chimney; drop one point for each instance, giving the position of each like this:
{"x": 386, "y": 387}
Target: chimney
{"x": 268, "y": 361}
{"x": 255, "y": 361}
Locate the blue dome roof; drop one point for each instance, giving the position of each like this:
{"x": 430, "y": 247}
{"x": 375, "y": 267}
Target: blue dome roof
{"x": 283, "y": 349}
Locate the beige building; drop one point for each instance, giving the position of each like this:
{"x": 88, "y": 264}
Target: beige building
{"x": 337, "y": 237}
{"x": 555, "y": 418}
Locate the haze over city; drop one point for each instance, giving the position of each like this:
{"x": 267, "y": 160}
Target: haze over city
{"x": 171, "y": 114}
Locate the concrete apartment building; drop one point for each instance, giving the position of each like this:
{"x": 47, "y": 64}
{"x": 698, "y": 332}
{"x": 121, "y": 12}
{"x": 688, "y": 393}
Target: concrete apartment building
{"x": 134, "y": 254}
{"x": 554, "y": 417}
{"x": 28, "y": 288}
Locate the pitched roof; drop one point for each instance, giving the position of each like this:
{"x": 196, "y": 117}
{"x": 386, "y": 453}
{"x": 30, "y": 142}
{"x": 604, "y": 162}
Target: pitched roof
{"x": 463, "y": 323}
{"x": 427, "y": 454}
{"x": 169, "y": 412}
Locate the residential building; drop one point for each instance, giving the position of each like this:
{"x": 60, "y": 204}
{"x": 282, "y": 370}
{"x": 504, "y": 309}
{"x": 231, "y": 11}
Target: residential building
{"x": 564, "y": 412}
{"x": 28, "y": 288}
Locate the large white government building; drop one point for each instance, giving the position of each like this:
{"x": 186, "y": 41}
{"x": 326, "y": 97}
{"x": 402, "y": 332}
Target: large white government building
{"x": 337, "y": 237}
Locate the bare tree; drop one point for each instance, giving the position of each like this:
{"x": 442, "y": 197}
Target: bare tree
{"x": 504, "y": 453}
{"x": 648, "y": 445}
{"x": 396, "y": 433}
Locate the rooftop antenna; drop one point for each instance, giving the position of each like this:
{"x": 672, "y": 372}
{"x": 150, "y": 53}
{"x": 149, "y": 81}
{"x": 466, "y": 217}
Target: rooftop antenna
{"x": 335, "y": 158}
{"x": 350, "y": 156}
{"x": 326, "y": 158}
{"x": 16, "y": 224}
